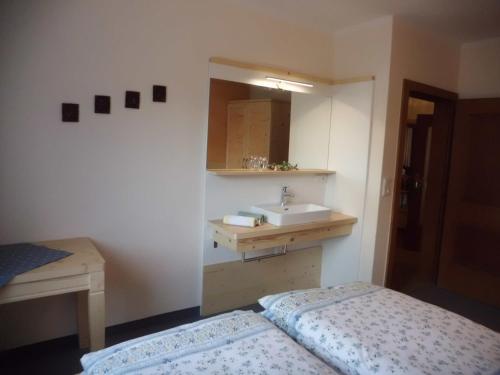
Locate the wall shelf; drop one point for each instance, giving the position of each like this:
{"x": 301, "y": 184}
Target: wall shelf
{"x": 259, "y": 172}
{"x": 243, "y": 239}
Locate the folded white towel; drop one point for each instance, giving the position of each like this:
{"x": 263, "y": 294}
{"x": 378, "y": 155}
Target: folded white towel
{"x": 242, "y": 221}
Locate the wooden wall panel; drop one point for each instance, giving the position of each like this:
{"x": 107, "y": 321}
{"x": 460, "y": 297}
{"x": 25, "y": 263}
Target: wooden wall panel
{"x": 235, "y": 284}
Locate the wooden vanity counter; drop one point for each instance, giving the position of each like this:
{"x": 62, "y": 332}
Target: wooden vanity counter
{"x": 243, "y": 239}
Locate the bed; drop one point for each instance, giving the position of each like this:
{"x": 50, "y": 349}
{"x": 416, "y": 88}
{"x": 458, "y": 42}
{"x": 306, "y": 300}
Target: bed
{"x": 363, "y": 329}
{"x": 240, "y": 342}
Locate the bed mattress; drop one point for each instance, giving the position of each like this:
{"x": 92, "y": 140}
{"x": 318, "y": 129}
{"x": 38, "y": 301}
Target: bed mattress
{"x": 241, "y": 342}
{"x": 364, "y": 329}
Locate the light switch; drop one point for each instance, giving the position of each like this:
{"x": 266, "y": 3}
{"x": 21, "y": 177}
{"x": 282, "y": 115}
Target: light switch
{"x": 386, "y": 186}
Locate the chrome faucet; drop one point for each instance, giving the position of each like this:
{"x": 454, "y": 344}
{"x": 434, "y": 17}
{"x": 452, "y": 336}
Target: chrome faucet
{"x": 285, "y": 195}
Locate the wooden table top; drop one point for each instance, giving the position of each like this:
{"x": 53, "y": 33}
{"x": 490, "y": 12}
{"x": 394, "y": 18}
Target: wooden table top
{"x": 85, "y": 259}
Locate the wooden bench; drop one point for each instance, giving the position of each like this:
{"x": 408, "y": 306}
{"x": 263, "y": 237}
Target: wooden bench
{"x": 82, "y": 272}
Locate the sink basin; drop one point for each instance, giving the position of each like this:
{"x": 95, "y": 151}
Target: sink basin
{"x": 292, "y": 213}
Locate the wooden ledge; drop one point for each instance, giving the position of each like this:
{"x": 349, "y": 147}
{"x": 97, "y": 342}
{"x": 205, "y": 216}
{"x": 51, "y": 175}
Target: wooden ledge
{"x": 288, "y": 73}
{"x": 243, "y": 239}
{"x": 268, "y": 172}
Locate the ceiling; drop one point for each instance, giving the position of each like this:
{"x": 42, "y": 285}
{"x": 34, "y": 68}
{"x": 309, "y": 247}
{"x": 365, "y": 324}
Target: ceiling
{"x": 461, "y": 20}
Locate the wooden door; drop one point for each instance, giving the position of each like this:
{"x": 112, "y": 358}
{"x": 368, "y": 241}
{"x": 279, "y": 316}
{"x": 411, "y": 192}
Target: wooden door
{"x": 470, "y": 252}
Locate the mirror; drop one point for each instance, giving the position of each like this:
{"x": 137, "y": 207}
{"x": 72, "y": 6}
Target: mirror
{"x": 250, "y": 126}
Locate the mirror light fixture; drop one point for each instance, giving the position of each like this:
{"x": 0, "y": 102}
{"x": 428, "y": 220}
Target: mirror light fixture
{"x": 279, "y": 80}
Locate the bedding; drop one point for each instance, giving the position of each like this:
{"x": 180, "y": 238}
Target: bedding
{"x": 362, "y": 329}
{"x": 241, "y": 342}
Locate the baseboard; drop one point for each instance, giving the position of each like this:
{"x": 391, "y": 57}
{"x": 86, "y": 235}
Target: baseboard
{"x": 166, "y": 319}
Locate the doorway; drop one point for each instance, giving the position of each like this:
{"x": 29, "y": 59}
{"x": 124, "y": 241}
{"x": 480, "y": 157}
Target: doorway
{"x": 427, "y": 117}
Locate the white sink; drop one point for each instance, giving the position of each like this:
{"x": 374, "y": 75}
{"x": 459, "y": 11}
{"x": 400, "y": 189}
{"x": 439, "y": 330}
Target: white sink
{"x": 292, "y": 213}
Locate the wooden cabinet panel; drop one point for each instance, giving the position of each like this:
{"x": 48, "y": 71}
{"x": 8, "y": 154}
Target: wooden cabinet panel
{"x": 280, "y": 132}
{"x": 257, "y": 127}
{"x": 236, "y": 135}
{"x": 258, "y": 123}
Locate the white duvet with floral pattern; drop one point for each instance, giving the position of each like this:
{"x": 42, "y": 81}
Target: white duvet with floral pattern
{"x": 234, "y": 343}
{"x": 363, "y": 329}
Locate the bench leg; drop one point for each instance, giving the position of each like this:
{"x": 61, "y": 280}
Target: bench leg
{"x": 83, "y": 319}
{"x": 96, "y": 320}
{"x": 96, "y": 311}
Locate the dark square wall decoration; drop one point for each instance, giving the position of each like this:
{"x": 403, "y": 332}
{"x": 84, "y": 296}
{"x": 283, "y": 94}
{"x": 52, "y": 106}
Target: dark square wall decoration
{"x": 159, "y": 93}
{"x": 70, "y": 112}
{"x": 102, "y": 104}
{"x": 132, "y": 99}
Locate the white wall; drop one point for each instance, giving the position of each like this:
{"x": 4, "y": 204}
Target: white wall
{"x": 423, "y": 57}
{"x": 346, "y": 190}
{"x": 392, "y": 50}
{"x": 360, "y": 51}
{"x": 479, "y": 75}
{"x": 133, "y": 180}
{"x": 310, "y": 117}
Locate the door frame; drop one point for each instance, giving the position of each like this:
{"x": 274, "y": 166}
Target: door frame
{"x": 420, "y": 91}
